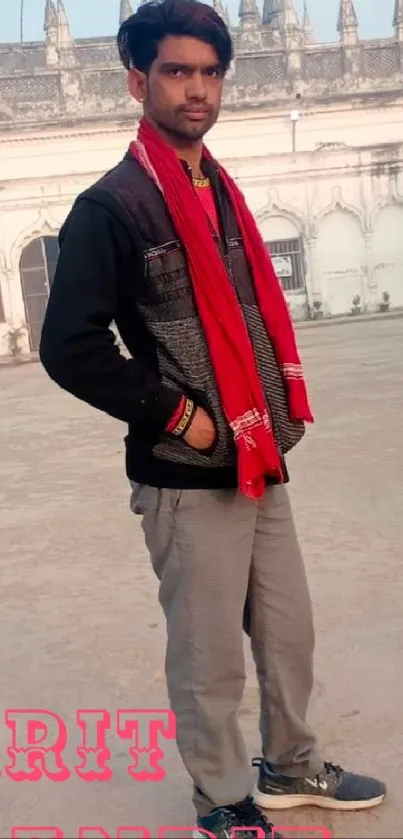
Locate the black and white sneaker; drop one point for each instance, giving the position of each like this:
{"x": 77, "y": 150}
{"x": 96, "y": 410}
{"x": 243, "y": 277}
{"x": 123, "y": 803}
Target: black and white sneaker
{"x": 332, "y": 789}
{"x": 222, "y": 821}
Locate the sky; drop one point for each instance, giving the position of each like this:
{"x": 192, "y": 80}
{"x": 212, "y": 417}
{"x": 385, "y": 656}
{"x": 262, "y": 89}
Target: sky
{"x": 93, "y": 18}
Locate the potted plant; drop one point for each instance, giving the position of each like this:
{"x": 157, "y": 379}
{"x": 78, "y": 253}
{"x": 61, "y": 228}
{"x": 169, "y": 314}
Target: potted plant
{"x": 356, "y": 310}
{"x": 317, "y": 310}
{"x": 13, "y": 338}
{"x": 385, "y": 303}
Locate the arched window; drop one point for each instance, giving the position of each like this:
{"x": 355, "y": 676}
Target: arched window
{"x": 37, "y": 269}
{"x": 286, "y": 249}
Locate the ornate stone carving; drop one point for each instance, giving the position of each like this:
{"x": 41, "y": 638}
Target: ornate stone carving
{"x": 338, "y": 203}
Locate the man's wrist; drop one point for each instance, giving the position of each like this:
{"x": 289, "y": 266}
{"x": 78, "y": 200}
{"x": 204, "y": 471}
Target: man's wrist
{"x": 176, "y": 416}
{"x": 163, "y": 408}
{"x": 182, "y": 418}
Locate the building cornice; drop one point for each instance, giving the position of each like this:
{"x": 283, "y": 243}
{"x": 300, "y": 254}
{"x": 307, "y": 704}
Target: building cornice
{"x": 303, "y": 166}
{"x": 86, "y": 128}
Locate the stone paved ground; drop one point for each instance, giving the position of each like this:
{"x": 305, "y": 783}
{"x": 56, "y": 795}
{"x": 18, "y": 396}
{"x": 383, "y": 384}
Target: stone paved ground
{"x": 80, "y": 626}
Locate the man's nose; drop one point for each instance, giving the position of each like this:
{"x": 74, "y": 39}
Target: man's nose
{"x": 197, "y": 87}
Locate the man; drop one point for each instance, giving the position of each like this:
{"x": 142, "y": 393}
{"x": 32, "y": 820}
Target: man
{"x": 214, "y": 397}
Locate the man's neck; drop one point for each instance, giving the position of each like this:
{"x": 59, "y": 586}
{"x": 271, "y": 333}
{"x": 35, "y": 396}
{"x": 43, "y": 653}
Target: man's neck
{"x": 192, "y": 158}
{"x": 191, "y": 153}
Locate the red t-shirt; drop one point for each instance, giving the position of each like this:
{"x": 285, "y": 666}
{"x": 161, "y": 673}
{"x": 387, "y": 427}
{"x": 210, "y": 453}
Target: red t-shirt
{"x": 206, "y": 197}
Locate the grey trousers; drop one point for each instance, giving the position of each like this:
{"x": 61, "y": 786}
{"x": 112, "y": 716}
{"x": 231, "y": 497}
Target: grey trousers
{"x": 228, "y": 565}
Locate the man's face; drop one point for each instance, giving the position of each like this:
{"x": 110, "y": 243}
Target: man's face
{"x": 183, "y": 90}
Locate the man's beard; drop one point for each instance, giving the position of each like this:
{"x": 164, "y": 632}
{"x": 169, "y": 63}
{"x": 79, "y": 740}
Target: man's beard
{"x": 185, "y": 131}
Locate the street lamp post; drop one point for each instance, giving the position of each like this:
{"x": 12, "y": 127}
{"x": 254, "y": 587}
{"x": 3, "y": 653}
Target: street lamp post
{"x": 22, "y": 21}
{"x": 294, "y": 117}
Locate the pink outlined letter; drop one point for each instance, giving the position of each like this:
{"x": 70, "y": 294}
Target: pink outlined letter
{"x": 88, "y": 833}
{"x": 36, "y": 833}
{"x": 323, "y": 832}
{"x": 35, "y": 750}
{"x": 143, "y": 727}
{"x": 178, "y": 830}
{"x": 93, "y": 753}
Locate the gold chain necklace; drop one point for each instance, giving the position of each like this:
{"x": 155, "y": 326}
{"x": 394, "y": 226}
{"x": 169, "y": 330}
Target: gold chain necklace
{"x": 201, "y": 182}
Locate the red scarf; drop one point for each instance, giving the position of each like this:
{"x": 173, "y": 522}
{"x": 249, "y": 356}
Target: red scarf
{"x": 225, "y": 330}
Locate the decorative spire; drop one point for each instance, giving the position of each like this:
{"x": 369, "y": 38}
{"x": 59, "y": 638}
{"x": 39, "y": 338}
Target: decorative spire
{"x": 398, "y": 19}
{"x": 51, "y": 34}
{"x": 308, "y": 30}
{"x": 272, "y": 13}
{"x": 249, "y": 14}
{"x": 63, "y": 30}
{"x": 221, "y": 10}
{"x": 126, "y": 10}
{"x": 347, "y": 24}
{"x": 290, "y": 17}
{"x": 59, "y": 43}
{"x": 50, "y": 16}
{"x": 279, "y": 14}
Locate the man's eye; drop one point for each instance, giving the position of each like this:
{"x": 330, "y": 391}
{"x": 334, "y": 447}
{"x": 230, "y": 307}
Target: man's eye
{"x": 176, "y": 73}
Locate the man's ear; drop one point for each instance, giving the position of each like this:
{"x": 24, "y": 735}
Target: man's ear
{"x": 137, "y": 84}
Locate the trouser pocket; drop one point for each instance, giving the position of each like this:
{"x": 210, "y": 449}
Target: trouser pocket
{"x": 147, "y": 499}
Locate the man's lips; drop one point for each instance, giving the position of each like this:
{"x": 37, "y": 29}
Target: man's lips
{"x": 195, "y": 113}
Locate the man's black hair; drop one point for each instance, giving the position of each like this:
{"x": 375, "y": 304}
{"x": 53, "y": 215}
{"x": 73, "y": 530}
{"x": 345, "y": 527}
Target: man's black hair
{"x": 140, "y": 35}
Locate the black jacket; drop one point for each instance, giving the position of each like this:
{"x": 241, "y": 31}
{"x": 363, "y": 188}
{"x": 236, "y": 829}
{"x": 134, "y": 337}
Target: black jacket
{"x": 121, "y": 262}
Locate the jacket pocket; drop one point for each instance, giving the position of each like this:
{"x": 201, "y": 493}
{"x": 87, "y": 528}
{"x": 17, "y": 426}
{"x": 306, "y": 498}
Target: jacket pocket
{"x": 220, "y": 454}
{"x": 166, "y": 294}
{"x": 202, "y": 401}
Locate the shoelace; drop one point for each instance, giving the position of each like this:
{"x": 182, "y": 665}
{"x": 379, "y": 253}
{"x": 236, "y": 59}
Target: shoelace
{"x": 250, "y": 815}
{"x": 236, "y": 821}
{"x": 328, "y": 769}
{"x": 332, "y": 769}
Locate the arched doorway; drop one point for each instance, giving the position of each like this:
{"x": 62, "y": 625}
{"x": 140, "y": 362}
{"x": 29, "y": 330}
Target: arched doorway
{"x": 388, "y": 253}
{"x": 2, "y": 279}
{"x": 341, "y": 259}
{"x": 37, "y": 269}
{"x": 2, "y": 315}
{"x": 286, "y": 248}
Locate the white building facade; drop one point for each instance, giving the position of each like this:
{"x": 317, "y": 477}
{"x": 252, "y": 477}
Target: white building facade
{"x": 326, "y": 188}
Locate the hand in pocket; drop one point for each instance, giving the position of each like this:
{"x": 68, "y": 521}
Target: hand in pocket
{"x": 202, "y": 433}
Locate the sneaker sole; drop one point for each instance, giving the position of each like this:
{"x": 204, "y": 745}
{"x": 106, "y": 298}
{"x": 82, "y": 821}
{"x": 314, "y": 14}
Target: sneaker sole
{"x": 287, "y": 802}
{"x": 198, "y": 835}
